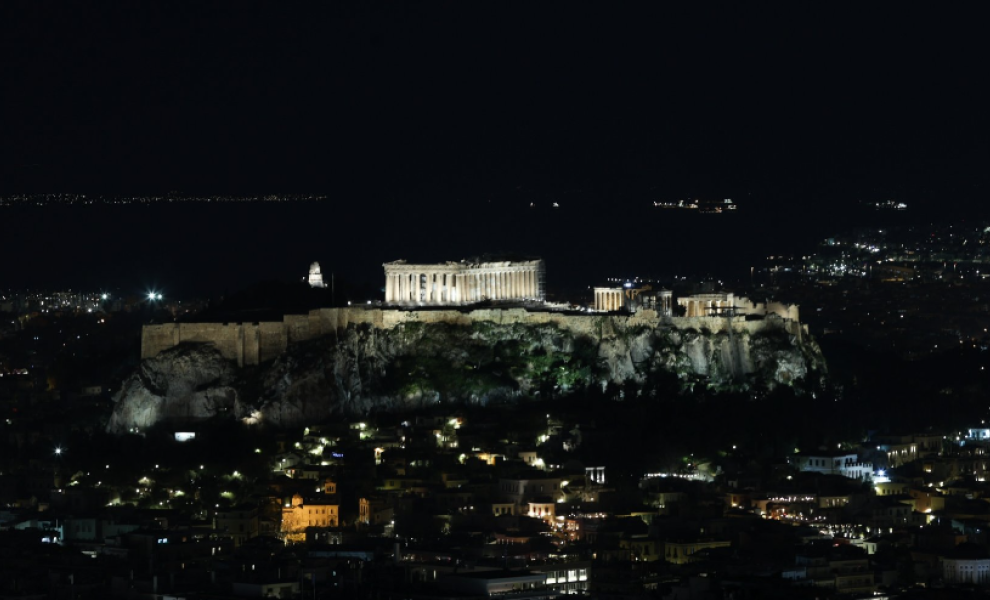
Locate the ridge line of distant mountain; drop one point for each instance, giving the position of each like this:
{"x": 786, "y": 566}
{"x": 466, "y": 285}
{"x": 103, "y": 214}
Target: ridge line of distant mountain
{"x": 108, "y": 199}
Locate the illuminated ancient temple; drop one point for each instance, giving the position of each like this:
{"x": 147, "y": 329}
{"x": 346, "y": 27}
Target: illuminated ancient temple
{"x": 464, "y": 282}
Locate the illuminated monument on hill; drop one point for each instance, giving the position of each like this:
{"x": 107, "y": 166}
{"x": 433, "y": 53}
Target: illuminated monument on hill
{"x": 315, "y": 278}
{"x": 464, "y": 282}
{"x": 456, "y": 292}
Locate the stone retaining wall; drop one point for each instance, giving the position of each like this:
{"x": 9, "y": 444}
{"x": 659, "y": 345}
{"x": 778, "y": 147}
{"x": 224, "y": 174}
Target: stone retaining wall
{"x": 255, "y": 343}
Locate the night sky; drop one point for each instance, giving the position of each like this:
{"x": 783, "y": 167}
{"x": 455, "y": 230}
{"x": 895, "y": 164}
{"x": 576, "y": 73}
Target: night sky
{"x": 431, "y": 128}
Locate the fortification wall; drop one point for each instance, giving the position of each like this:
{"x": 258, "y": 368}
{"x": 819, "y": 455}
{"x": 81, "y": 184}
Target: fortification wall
{"x": 255, "y": 343}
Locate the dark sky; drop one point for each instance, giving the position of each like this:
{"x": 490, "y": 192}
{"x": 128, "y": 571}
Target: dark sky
{"x": 431, "y": 126}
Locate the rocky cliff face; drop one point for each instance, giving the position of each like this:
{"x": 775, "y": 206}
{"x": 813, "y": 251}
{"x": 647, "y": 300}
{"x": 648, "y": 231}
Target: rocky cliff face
{"x": 364, "y": 369}
{"x": 192, "y": 381}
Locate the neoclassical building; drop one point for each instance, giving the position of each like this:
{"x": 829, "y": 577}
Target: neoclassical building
{"x": 464, "y": 282}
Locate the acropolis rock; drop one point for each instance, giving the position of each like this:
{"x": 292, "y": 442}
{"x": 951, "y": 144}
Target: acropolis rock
{"x": 364, "y": 368}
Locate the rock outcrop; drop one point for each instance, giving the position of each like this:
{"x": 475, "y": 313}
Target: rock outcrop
{"x": 362, "y": 369}
{"x": 192, "y": 381}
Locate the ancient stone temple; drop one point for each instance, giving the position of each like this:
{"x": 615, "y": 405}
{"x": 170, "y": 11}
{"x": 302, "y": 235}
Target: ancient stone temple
{"x": 632, "y": 299}
{"x": 728, "y": 305}
{"x": 464, "y": 282}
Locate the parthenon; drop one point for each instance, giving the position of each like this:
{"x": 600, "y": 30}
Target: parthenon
{"x": 464, "y": 282}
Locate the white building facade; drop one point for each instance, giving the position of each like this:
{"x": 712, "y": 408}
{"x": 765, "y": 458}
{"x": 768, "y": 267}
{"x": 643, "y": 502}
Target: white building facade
{"x": 465, "y": 282}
